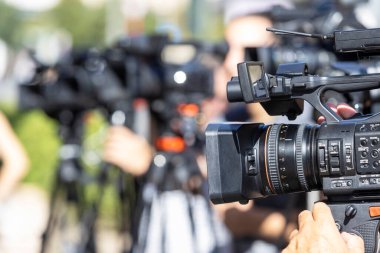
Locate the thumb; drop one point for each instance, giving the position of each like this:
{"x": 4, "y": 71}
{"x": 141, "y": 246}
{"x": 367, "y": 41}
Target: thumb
{"x": 355, "y": 244}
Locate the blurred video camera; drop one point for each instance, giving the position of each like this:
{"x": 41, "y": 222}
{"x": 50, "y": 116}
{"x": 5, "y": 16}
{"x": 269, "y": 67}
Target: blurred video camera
{"x": 322, "y": 16}
{"x": 149, "y": 67}
{"x": 340, "y": 157}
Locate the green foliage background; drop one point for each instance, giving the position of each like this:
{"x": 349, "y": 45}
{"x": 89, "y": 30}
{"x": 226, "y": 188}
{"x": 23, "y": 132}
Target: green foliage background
{"x": 38, "y": 133}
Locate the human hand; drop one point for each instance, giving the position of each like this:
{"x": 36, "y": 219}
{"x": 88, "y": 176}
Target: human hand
{"x": 343, "y": 110}
{"x": 127, "y": 150}
{"x": 317, "y": 233}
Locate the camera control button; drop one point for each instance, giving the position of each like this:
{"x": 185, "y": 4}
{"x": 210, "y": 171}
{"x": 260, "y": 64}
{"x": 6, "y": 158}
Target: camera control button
{"x": 363, "y": 142}
{"x": 350, "y": 211}
{"x": 335, "y": 163}
{"x": 252, "y": 163}
{"x": 376, "y": 164}
{"x": 322, "y": 162}
{"x": 375, "y": 153}
{"x": 374, "y": 142}
{"x": 364, "y": 154}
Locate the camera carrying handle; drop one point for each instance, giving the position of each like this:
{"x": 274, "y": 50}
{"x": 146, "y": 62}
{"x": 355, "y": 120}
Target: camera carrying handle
{"x": 312, "y": 88}
{"x": 281, "y": 94}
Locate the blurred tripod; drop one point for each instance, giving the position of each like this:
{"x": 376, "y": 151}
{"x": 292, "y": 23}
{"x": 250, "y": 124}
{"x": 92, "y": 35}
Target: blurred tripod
{"x": 68, "y": 188}
{"x": 173, "y": 167}
{"x": 68, "y": 201}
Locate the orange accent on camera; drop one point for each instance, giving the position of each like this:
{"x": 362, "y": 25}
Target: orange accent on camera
{"x": 171, "y": 144}
{"x": 190, "y": 110}
{"x": 374, "y": 211}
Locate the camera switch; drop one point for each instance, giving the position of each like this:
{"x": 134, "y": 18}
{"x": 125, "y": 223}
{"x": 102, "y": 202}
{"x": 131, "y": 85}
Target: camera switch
{"x": 335, "y": 163}
{"x": 350, "y": 211}
{"x": 322, "y": 163}
{"x": 251, "y": 163}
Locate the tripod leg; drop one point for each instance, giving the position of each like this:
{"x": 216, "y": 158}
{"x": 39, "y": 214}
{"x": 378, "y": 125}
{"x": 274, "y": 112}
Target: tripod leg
{"x": 55, "y": 201}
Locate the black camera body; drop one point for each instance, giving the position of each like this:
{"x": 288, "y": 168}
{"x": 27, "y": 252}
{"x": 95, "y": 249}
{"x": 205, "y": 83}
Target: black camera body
{"x": 340, "y": 157}
{"x": 147, "y": 67}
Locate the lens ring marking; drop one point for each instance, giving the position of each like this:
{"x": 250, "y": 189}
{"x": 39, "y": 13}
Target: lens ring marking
{"x": 273, "y": 158}
{"x": 299, "y": 161}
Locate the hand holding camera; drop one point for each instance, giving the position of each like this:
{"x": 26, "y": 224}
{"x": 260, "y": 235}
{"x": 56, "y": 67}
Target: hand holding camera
{"x": 317, "y": 233}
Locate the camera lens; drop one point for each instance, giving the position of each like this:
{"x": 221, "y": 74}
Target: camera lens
{"x": 289, "y": 156}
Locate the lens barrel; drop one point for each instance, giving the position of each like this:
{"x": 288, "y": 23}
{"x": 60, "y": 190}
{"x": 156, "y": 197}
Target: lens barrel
{"x": 252, "y": 160}
{"x": 289, "y": 154}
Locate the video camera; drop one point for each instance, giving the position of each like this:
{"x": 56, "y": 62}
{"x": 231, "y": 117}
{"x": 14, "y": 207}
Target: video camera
{"x": 340, "y": 157}
{"x": 82, "y": 81}
{"x": 150, "y": 67}
{"x": 312, "y": 17}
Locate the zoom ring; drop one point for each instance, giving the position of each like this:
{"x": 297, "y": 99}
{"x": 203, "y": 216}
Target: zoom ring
{"x": 272, "y": 158}
{"x": 299, "y": 161}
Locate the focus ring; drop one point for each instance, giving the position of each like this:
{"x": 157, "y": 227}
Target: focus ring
{"x": 272, "y": 158}
{"x": 299, "y": 161}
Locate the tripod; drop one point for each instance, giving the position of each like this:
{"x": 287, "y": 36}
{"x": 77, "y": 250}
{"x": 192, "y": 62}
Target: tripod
{"x": 69, "y": 189}
{"x": 103, "y": 179}
{"x": 68, "y": 201}
{"x": 172, "y": 168}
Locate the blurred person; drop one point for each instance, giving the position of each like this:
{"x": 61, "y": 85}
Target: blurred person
{"x": 15, "y": 162}
{"x": 255, "y": 224}
{"x": 246, "y": 23}
{"x": 17, "y": 224}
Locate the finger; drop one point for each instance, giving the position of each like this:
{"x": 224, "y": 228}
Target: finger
{"x": 332, "y": 107}
{"x": 355, "y": 244}
{"x": 120, "y": 143}
{"x": 321, "y": 212}
{"x": 120, "y": 130}
{"x": 346, "y": 111}
{"x": 293, "y": 234}
{"x": 305, "y": 218}
{"x": 321, "y": 119}
{"x": 291, "y": 248}
{"x": 112, "y": 150}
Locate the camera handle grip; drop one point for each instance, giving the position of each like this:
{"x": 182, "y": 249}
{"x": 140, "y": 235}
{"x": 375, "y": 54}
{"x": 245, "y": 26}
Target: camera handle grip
{"x": 315, "y": 99}
{"x": 360, "y": 218}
